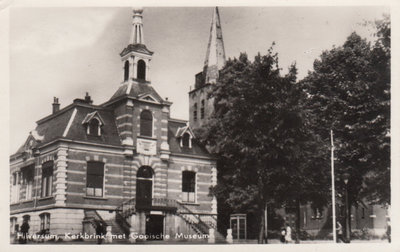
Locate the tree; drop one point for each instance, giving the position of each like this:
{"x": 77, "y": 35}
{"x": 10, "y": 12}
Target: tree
{"x": 260, "y": 133}
{"x": 349, "y": 92}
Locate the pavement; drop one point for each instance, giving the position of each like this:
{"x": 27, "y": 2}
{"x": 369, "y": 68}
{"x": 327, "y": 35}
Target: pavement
{"x": 187, "y": 242}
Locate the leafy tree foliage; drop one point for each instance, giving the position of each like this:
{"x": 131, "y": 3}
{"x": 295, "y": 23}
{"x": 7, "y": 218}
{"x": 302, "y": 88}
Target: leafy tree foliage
{"x": 349, "y": 91}
{"x": 261, "y": 134}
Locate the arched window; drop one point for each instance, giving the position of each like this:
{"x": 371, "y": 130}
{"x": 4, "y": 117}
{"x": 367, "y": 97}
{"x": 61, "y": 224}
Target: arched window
{"x": 126, "y": 71}
{"x": 44, "y": 222}
{"x": 141, "y": 70}
{"x": 144, "y": 186}
{"x": 195, "y": 112}
{"x": 47, "y": 178}
{"x": 146, "y": 123}
{"x": 202, "y": 109}
{"x": 145, "y": 172}
{"x": 94, "y": 127}
{"x": 186, "y": 140}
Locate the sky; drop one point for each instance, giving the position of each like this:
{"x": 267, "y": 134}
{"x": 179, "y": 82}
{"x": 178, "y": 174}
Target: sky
{"x": 67, "y": 51}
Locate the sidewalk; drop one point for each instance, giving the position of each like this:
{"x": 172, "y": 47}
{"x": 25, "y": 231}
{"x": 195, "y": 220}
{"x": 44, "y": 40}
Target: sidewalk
{"x": 187, "y": 242}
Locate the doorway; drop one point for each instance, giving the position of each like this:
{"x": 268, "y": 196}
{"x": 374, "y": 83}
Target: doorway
{"x": 155, "y": 227}
{"x": 144, "y": 186}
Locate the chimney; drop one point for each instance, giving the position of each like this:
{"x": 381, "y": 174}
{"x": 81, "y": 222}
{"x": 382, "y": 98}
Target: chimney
{"x": 87, "y": 98}
{"x": 56, "y": 105}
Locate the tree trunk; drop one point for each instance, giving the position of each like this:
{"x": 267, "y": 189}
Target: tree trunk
{"x": 349, "y": 220}
{"x": 266, "y": 223}
{"x": 298, "y": 214}
{"x": 261, "y": 233}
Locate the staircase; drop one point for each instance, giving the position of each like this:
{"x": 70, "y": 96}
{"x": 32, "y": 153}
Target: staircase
{"x": 198, "y": 223}
{"x": 93, "y": 217}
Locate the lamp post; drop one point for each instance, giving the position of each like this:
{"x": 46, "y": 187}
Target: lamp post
{"x": 345, "y": 177}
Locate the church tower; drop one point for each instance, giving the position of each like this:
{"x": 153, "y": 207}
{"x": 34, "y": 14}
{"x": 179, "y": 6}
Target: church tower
{"x": 136, "y": 57}
{"x": 200, "y": 106}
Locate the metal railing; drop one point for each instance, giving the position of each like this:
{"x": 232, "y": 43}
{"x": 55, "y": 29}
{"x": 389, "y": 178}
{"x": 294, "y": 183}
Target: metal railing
{"x": 127, "y": 208}
{"x": 201, "y": 223}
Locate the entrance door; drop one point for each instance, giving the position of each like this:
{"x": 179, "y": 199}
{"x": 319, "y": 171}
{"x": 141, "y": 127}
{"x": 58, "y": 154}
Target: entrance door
{"x": 144, "y": 186}
{"x": 143, "y": 193}
{"x": 155, "y": 226}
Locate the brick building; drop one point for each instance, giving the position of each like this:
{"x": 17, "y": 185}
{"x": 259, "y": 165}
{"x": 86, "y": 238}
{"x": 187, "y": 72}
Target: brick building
{"x": 125, "y": 163}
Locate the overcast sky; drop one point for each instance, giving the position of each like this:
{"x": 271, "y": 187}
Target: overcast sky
{"x": 65, "y": 52}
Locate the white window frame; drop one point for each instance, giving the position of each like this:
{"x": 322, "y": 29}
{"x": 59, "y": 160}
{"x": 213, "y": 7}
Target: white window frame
{"x": 188, "y": 193}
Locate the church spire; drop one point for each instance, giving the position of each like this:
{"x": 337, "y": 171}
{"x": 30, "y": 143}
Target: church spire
{"x": 137, "y": 27}
{"x": 136, "y": 57}
{"x": 215, "y": 57}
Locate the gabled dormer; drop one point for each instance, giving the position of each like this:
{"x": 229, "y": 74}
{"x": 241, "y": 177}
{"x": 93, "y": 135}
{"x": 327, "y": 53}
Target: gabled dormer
{"x": 93, "y": 123}
{"x": 185, "y": 136}
{"x": 136, "y": 57}
{"x": 29, "y": 149}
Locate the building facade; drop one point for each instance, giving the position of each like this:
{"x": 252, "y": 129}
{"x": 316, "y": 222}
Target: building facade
{"x": 125, "y": 163}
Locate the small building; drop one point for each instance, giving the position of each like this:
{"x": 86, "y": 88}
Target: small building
{"x": 124, "y": 163}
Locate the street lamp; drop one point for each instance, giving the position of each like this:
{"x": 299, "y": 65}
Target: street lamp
{"x": 345, "y": 177}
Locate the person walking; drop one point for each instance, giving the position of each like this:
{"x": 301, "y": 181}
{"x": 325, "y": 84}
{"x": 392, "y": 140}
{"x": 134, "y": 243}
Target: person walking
{"x": 339, "y": 231}
{"x": 283, "y": 234}
{"x": 24, "y": 230}
{"x": 288, "y": 236}
{"x": 388, "y": 231}
{"x": 99, "y": 232}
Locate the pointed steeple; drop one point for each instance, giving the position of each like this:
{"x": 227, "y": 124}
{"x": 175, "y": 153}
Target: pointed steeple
{"x": 136, "y": 57}
{"x": 137, "y": 29}
{"x": 215, "y": 57}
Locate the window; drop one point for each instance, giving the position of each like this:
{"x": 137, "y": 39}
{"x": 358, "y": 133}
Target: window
{"x": 195, "y": 112}
{"x": 94, "y": 127}
{"x": 316, "y": 213}
{"x": 95, "y": 179}
{"x": 186, "y": 140}
{"x": 15, "y": 187}
{"x": 126, "y": 71}
{"x": 141, "y": 70}
{"x": 14, "y": 179}
{"x": 44, "y": 222}
{"x": 47, "y": 178}
{"x": 146, "y": 123}
{"x": 202, "y": 109}
{"x": 188, "y": 186}
{"x": 27, "y": 180}
{"x": 13, "y": 225}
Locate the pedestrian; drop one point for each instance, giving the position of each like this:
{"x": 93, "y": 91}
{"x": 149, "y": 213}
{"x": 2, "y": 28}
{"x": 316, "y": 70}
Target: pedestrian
{"x": 283, "y": 234}
{"x": 288, "y": 236}
{"x": 99, "y": 232}
{"x": 388, "y": 230}
{"x": 24, "y": 231}
{"x": 339, "y": 231}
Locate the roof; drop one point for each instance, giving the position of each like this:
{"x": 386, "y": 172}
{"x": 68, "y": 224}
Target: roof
{"x": 136, "y": 48}
{"x": 109, "y": 133}
{"x": 67, "y": 124}
{"x": 174, "y": 142}
{"x": 136, "y": 90}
